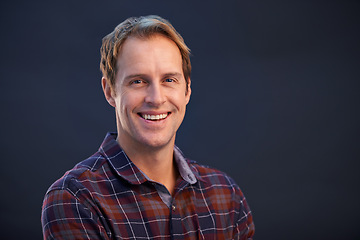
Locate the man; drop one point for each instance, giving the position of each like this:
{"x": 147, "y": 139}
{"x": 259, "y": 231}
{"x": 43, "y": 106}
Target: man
{"x": 138, "y": 185}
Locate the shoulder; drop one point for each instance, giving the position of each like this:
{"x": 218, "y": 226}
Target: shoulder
{"x": 71, "y": 197}
{"x": 217, "y": 183}
{"x": 211, "y": 175}
{"x": 85, "y": 169}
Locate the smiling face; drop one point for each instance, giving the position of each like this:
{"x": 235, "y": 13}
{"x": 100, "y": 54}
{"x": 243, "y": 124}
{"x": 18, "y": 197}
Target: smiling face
{"x": 150, "y": 94}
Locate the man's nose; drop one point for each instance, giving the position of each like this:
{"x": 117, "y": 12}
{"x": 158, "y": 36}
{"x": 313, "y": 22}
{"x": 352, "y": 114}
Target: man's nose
{"x": 155, "y": 95}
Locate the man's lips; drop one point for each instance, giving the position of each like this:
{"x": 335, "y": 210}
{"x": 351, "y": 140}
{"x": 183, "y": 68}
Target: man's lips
{"x": 154, "y": 117}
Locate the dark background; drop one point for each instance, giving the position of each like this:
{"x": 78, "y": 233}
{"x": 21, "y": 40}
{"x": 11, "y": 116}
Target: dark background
{"x": 275, "y": 104}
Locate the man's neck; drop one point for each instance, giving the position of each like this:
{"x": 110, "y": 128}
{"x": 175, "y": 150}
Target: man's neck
{"x": 157, "y": 163}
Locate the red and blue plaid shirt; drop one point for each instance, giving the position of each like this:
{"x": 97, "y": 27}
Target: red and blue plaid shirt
{"x": 108, "y": 197}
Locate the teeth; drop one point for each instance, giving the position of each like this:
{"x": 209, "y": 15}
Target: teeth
{"x": 154, "y": 117}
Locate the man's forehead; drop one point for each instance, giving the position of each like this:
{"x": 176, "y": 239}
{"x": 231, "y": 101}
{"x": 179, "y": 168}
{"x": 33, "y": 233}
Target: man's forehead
{"x": 142, "y": 53}
{"x": 133, "y": 41}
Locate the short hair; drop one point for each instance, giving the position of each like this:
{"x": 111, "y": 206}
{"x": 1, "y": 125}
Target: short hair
{"x": 142, "y": 27}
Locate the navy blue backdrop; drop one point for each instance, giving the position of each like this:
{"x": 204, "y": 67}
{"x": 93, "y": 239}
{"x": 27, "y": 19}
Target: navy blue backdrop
{"x": 275, "y": 104}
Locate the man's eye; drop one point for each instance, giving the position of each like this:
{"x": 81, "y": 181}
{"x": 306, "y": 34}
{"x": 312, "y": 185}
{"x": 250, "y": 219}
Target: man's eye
{"x": 136, "y": 81}
{"x": 169, "y": 80}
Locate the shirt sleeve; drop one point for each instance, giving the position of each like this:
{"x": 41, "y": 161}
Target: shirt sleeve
{"x": 245, "y": 227}
{"x": 65, "y": 217}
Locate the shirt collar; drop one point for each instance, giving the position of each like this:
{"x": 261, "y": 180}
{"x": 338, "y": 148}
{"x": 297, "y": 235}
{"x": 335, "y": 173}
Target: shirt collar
{"x": 126, "y": 169}
{"x": 185, "y": 171}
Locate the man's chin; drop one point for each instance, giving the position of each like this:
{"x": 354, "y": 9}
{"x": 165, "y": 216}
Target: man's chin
{"x": 157, "y": 142}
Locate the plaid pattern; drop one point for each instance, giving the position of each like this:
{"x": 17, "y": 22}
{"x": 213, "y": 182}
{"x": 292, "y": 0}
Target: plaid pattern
{"x": 108, "y": 197}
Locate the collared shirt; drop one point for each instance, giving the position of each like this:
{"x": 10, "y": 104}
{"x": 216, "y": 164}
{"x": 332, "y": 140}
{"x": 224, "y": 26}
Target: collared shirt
{"x": 107, "y": 197}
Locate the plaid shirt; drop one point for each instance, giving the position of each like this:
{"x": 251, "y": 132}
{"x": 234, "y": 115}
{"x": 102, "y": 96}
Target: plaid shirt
{"x": 108, "y": 197}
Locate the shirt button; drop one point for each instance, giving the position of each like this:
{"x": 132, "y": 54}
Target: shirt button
{"x": 173, "y": 207}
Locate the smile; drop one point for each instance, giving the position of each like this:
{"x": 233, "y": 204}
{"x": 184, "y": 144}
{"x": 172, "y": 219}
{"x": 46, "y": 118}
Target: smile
{"x": 154, "y": 117}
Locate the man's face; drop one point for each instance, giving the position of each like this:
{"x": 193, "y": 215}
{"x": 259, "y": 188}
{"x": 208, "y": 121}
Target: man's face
{"x": 150, "y": 94}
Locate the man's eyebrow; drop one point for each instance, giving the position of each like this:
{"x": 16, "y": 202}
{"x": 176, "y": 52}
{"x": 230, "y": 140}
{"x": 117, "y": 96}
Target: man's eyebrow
{"x": 173, "y": 74}
{"x": 139, "y": 75}
{"x": 132, "y": 76}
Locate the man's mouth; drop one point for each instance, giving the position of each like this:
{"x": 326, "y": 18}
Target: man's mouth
{"x": 156, "y": 117}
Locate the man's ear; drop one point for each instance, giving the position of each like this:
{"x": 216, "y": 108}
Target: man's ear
{"x": 188, "y": 92}
{"x": 108, "y": 92}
